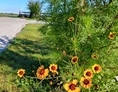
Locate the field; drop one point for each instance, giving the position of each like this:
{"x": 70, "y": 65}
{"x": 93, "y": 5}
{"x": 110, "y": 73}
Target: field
{"x": 8, "y": 15}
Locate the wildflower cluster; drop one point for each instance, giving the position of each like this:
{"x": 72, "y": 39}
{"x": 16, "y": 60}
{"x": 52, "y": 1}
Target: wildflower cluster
{"x": 85, "y": 81}
{"x": 81, "y": 77}
{"x": 41, "y": 72}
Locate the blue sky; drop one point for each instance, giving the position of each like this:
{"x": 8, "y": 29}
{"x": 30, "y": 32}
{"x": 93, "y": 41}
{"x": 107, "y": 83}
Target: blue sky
{"x": 13, "y": 6}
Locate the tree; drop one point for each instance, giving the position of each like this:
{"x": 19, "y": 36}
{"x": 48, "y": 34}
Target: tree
{"x": 34, "y": 7}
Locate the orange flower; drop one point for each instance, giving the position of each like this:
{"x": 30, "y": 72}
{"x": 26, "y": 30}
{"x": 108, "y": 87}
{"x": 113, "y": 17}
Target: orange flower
{"x": 111, "y": 35}
{"x": 94, "y": 56}
{"x": 74, "y": 59}
{"x": 88, "y": 73}
{"x": 71, "y": 86}
{"x": 96, "y": 68}
{"x": 51, "y": 82}
{"x": 86, "y": 82}
{"x": 70, "y": 19}
{"x": 41, "y": 72}
{"x": 21, "y": 72}
{"x": 53, "y": 68}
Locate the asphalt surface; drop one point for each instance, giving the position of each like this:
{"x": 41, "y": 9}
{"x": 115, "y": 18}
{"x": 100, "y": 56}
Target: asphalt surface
{"x": 10, "y": 27}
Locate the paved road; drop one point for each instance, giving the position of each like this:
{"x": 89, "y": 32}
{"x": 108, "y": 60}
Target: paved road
{"x": 9, "y": 27}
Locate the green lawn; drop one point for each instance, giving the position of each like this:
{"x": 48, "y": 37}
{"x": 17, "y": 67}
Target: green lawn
{"x": 25, "y": 51}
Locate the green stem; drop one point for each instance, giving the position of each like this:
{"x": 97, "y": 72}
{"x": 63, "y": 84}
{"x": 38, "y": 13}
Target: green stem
{"x": 44, "y": 78}
{"x": 89, "y": 90}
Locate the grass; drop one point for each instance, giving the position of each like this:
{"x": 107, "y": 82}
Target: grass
{"x": 31, "y": 48}
{"x": 25, "y": 51}
{"x": 8, "y": 15}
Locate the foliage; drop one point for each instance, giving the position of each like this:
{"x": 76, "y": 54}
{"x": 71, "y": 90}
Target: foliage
{"x": 77, "y": 53}
{"x": 101, "y": 16}
{"x": 90, "y": 32}
{"x": 34, "y": 7}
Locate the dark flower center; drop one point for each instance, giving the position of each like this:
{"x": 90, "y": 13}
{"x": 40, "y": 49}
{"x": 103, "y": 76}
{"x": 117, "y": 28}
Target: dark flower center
{"x": 96, "y": 68}
{"x": 42, "y": 71}
{"x": 53, "y": 67}
{"x": 72, "y": 86}
{"x": 86, "y": 82}
{"x": 21, "y": 72}
{"x": 94, "y": 56}
{"x": 88, "y": 73}
{"x": 74, "y": 59}
{"x": 111, "y": 35}
{"x": 71, "y": 18}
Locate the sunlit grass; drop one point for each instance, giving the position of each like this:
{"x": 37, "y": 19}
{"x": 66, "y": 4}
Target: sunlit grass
{"x": 23, "y": 52}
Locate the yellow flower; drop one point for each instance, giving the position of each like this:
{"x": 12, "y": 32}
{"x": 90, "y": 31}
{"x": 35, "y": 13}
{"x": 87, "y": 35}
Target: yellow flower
{"x": 71, "y": 86}
{"x": 88, "y": 73}
{"x": 21, "y": 72}
{"x": 96, "y": 68}
{"x": 111, "y": 35}
{"x": 74, "y": 59}
{"x": 86, "y": 82}
{"x": 94, "y": 56}
{"x": 114, "y": 33}
{"x": 41, "y": 72}
{"x": 53, "y": 68}
{"x": 70, "y": 19}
